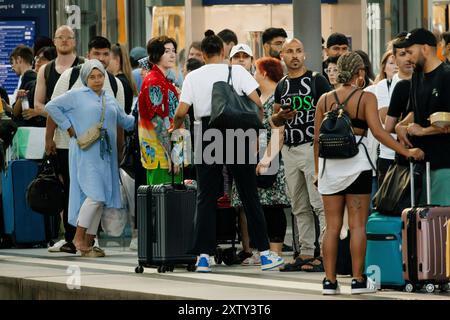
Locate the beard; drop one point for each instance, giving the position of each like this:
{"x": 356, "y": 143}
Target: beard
{"x": 420, "y": 64}
{"x": 66, "y": 51}
{"x": 275, "y": 54}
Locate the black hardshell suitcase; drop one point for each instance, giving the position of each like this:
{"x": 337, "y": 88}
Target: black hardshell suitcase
{"x": 166, "y": 216}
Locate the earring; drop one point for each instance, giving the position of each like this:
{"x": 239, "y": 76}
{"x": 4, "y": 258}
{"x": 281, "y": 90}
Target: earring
{"x": 364, "y": 83}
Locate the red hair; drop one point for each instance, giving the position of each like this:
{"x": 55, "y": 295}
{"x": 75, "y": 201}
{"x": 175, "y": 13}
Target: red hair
{"x": 272, "y": 67}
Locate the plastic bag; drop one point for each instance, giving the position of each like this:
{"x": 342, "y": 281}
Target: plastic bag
{"x": 115, "y": 220}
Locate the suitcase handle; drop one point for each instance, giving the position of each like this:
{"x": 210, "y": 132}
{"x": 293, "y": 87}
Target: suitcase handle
{"x": 428, "y": 184}
{"x": 172, "y": 144}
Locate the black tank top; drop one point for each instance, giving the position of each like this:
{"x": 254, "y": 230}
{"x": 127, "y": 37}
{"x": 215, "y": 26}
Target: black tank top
{"x": 54, "y": 76}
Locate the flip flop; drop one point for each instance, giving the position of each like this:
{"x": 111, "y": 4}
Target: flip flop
{"x": 296, "y": 265}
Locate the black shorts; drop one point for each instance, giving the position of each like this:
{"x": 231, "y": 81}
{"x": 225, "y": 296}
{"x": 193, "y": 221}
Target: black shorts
{"x": 362, "y": 185}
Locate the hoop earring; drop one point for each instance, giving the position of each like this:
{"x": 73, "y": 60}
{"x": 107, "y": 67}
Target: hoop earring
{"x": 363, "y": 86}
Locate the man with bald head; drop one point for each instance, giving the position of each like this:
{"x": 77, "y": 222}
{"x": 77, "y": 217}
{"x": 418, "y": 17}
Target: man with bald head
{"x": 48, "y": 76}
{"x": 296, "y": 97}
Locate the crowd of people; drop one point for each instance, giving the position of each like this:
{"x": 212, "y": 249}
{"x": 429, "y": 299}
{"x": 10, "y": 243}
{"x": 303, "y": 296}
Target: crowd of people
{"x": 70, "y": 94}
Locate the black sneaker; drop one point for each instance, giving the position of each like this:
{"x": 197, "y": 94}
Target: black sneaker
{"x": 330, "y": 288}
{"x": 366, "y": 286}
{"x": 69, "y": 247}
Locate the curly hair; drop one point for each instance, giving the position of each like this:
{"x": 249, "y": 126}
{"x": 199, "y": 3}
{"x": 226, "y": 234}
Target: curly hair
{"x": 348, "y": 66}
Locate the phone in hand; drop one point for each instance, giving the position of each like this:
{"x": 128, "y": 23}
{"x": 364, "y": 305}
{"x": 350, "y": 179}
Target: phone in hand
{"x": 287, "y": 107}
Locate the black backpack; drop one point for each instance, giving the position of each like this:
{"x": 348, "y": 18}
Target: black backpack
{"x": 336, "y": 136}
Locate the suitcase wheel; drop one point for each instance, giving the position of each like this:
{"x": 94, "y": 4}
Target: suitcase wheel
{"x": 139, "y": 269}
{"x": 430, "y": 288}
{"x": 409, "y": 287}
{"x": 164, "y": 269}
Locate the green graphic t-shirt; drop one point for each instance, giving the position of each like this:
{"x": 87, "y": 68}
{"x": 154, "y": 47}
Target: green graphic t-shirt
{"x": 302, "y": 96}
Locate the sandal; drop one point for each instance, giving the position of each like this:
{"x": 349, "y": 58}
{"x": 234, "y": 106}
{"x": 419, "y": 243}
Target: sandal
{"x": 314, "y": 267}
{"x": 93, "y": 253}
{"x": 296, "y": 265}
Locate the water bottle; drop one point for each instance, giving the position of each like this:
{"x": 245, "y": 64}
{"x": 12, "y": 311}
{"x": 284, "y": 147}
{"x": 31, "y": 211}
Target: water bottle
{"x": 25, "y": 103}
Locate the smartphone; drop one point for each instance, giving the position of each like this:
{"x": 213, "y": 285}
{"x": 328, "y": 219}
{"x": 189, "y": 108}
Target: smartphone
{"x": 286, "y": 107}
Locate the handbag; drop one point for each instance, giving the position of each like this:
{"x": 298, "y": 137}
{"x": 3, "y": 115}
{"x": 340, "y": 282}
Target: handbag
{"x": 267, "y": 181}
{"x": 93, "y": 133}
{"x": 45, "y": 194}
{"x": 394, "y": 194}
{"x": 229, "y": 110}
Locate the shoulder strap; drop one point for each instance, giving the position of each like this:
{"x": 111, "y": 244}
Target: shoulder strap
{"x": 81, "y": 60}
{"x": 313, "y": 85}
{"x": 230, "y": 75}
{"x": 346, "y": 100}
{"x": 114, "y": 85}
{"x": 359, "y": 102}
{"x": 48, "y": 69}
{"x": 102, "y": 119}
{"x": 74, "y": 76}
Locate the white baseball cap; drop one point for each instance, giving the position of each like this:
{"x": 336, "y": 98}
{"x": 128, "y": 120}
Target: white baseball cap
{"x": 241, "y": 47}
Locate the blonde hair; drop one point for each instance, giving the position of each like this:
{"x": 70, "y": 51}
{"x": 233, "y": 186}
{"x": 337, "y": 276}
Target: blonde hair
{"x": 384, "y": 61}
{"x": 125, "y": 65}
{"x": 348, "y": 66}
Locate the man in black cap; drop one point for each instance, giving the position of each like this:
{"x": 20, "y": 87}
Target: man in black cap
{"x": 337, "y": 45}
{"x": 430, "y": 93}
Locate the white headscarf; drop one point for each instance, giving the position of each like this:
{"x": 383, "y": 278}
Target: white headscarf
{"x": 87, "y": 69}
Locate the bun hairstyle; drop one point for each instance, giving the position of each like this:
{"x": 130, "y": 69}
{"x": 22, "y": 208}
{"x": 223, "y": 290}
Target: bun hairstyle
{"x": 209, "y": 33}
{"x": 348, "y": 66}
{"x": 212, "y": 45}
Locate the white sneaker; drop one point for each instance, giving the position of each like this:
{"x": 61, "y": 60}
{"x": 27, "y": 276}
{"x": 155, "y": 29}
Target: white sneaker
{"x": 367, "y": 286}
{"x": 271, "y": 261}
{"x": 57, "y": 246}
{"x": 254, "y": 260}
{"x": 134, "y": 244}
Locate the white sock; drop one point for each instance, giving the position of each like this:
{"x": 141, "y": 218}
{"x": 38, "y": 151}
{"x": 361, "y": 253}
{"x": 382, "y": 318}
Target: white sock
{"x": 204, "y": 256}
{"x": 265, "y": 253}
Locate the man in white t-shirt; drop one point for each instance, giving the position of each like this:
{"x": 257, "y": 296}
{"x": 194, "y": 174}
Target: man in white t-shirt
{"x": 197, "y": 92}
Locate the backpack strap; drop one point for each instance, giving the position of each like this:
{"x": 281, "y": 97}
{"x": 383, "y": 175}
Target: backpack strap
{"x": 342, "y": 105}
{"x": 313, "y": 84}
{"x": 114, "y": 85}
{"x": 48, "y": 69}
{"x": 74, "y": 76}
{"x": 359, "y": 103}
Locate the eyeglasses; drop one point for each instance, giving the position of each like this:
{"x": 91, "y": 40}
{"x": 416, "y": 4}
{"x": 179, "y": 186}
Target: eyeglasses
{"x": 64, "y": 38}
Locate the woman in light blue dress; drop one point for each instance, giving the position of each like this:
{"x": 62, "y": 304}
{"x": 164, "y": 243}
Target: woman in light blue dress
{"x": 94, "y": 172}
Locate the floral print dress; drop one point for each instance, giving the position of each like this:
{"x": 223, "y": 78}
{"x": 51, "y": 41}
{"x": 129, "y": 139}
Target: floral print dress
{"x": 277, "y": 195}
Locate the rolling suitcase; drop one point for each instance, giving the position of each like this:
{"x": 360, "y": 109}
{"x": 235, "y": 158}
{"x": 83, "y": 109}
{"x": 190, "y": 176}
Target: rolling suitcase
{"x": 384, "y": 251}
{"x": 166, "y": 216}
{"x": 24, "y": 226}
{"x": 424, "y": 230}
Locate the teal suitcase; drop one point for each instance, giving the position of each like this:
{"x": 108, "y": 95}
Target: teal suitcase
{"x": 384, "y": 261}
